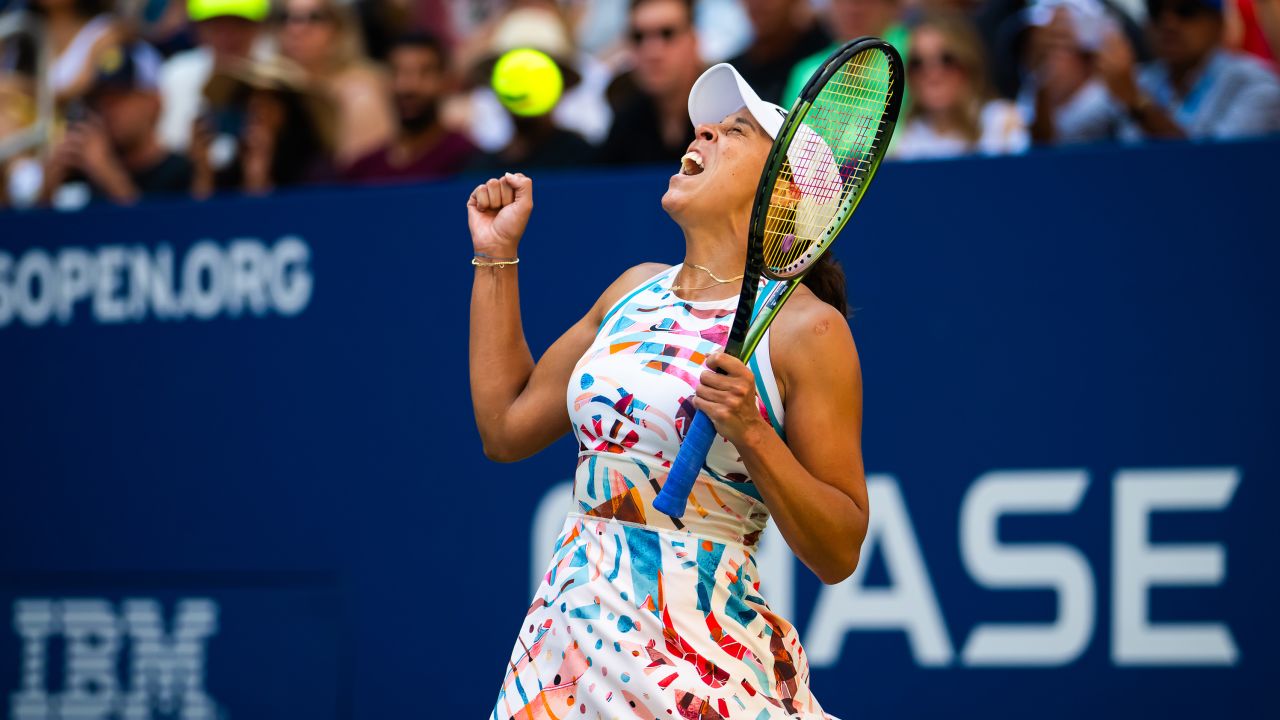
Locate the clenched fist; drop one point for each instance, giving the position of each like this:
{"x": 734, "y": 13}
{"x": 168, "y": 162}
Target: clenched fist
{"x": 497, "y": 213}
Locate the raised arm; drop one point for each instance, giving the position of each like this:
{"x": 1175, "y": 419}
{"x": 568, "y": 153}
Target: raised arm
{"x": 519, "y": 404}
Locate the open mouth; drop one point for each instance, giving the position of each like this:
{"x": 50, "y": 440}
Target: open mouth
{"x": 692, "y": 163}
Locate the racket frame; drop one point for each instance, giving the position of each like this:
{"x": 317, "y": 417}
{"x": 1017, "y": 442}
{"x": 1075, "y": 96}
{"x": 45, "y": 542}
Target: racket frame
{"x": 744, "y": 337}
{"x": 751, "y": 322}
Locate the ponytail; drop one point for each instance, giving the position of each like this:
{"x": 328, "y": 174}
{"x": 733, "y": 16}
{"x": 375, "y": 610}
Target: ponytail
{"x": 826, "y": 280}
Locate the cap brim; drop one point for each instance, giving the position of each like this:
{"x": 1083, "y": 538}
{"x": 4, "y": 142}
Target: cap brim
{"x": 721, "y": 91}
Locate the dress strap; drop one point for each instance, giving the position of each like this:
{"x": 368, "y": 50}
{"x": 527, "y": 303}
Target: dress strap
{"x": 639, "y": 289}
{"x": 761, "y": 364}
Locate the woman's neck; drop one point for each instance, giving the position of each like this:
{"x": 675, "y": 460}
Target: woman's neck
{"x": 710, "y": 255}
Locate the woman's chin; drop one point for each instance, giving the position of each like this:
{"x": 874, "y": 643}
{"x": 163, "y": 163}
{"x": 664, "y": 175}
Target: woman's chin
{"x": 673, "y": 200}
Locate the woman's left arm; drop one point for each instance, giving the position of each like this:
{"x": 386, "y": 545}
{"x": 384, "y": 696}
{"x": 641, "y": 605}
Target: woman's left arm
{"x": 813, "y": 483}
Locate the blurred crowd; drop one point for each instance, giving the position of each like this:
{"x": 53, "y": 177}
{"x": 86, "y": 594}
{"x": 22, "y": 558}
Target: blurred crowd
{"x": 197, "y": 97}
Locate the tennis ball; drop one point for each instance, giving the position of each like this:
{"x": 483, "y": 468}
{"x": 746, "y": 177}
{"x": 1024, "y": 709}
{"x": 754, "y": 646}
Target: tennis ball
{"x": 527, "y": 81}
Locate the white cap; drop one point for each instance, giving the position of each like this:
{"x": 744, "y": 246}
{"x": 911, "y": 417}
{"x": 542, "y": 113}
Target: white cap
{"x": 815, "y": 174}
{"x": 721, "y": 92}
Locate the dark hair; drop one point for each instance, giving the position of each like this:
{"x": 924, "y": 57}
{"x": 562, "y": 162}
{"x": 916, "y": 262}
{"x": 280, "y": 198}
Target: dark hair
{"x": 424, "y": 41}
{"x": 826, "y": 280}
{"x": 299, "y": 147}
{"x": 300, "y": 151}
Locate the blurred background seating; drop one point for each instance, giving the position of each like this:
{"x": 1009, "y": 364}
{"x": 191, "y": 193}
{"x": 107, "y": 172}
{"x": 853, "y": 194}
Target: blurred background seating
{"x": 398, "y": 90}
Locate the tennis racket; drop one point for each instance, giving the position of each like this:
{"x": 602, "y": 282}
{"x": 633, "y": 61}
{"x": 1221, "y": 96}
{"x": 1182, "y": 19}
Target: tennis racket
{"x": 821, "y": 163}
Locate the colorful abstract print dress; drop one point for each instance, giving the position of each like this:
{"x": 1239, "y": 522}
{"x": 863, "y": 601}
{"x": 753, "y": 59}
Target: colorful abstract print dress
{"x": 640, "y": 615}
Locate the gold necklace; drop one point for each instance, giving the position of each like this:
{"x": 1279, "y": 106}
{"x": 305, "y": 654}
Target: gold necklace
{"x": 718, "y": 281}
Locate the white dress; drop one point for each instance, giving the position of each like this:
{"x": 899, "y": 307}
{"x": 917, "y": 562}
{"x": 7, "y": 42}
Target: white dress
{"x": 641, "y": 615}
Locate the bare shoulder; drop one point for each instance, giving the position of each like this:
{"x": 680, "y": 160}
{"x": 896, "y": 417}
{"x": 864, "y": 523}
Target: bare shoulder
{"x": 626, "y": 282}
{"x": 809, "y": 332}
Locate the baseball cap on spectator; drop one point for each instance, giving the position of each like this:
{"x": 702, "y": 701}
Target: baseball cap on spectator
{"x": 531, "y": 27}
{"x": 1089, "y": 19}
{"x": 134, "y": 67}
{"x": 722, "y": 91}
{"x": 255, "y": 10}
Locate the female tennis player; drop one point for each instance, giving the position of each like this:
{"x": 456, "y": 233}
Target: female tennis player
{"x": 640, "y": 614}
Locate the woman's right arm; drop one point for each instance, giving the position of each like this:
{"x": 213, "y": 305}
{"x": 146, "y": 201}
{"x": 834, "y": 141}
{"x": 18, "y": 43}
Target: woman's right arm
{"x": 519, "y": 404}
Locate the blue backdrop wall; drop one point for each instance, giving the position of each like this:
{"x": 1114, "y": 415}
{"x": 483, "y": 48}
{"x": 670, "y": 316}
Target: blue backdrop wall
{"x": 239, "y": 476}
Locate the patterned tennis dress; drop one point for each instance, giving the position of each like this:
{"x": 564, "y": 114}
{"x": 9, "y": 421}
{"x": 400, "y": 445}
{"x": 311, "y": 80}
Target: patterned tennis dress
{"x": 640, "y": 615}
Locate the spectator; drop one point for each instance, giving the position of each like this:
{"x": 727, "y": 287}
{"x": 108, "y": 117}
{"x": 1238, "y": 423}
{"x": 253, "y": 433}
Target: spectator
{"x": 722, "y": 27}
{"x": 850, "y": 19}
{"x": 952, "y": 113}
{"x": 423, "y": 149}
{"x": 786, "y": 32}
{"x": 540, "y": 141}
{"x": 80, "y": 32}
{"x": 652, "y": 125}
{"x": 323, "y": 38}
{"x": 285, "y": 135}
{"x": 536, "y": 143}
{"x": 163, "y": 24}
{"x": 1194, "y": 88}
{"x": 20, "y": 175}
{"x": 537, "y": 24}
{"x": 1003, "y": 24}
{"x": 1063, "y": 97}
{"x": 227, "y": 32}
{"x": 17, "y": 104}
{"x": 113, "y": 146}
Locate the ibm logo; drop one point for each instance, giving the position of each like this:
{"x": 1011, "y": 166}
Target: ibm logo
{"x": 163, "y": 672}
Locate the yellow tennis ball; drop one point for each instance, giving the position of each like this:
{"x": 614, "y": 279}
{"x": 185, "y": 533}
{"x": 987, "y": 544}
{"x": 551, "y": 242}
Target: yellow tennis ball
{"x": 528, "y": 82}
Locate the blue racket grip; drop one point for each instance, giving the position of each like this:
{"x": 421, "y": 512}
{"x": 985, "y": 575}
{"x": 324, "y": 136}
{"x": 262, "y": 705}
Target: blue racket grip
{"x": 684, "y": 471}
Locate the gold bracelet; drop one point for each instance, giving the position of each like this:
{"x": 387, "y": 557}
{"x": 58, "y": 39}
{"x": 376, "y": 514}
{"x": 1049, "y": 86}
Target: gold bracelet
{"x": 499, "y": 263}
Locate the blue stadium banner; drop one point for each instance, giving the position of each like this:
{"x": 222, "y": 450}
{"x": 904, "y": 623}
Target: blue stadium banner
{"x": 239, "y": 476}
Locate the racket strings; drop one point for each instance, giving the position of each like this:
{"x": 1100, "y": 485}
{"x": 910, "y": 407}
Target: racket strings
{"x": 828, "y": 160}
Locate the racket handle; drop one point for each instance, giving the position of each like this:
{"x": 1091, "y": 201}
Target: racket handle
{"x": 684, "y": 471}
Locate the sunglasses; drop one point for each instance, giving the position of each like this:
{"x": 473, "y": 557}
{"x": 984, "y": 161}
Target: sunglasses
{"x": 667, "y": 33}
{"x": 309, "y": 17}
{"x": 946, "y": 61}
